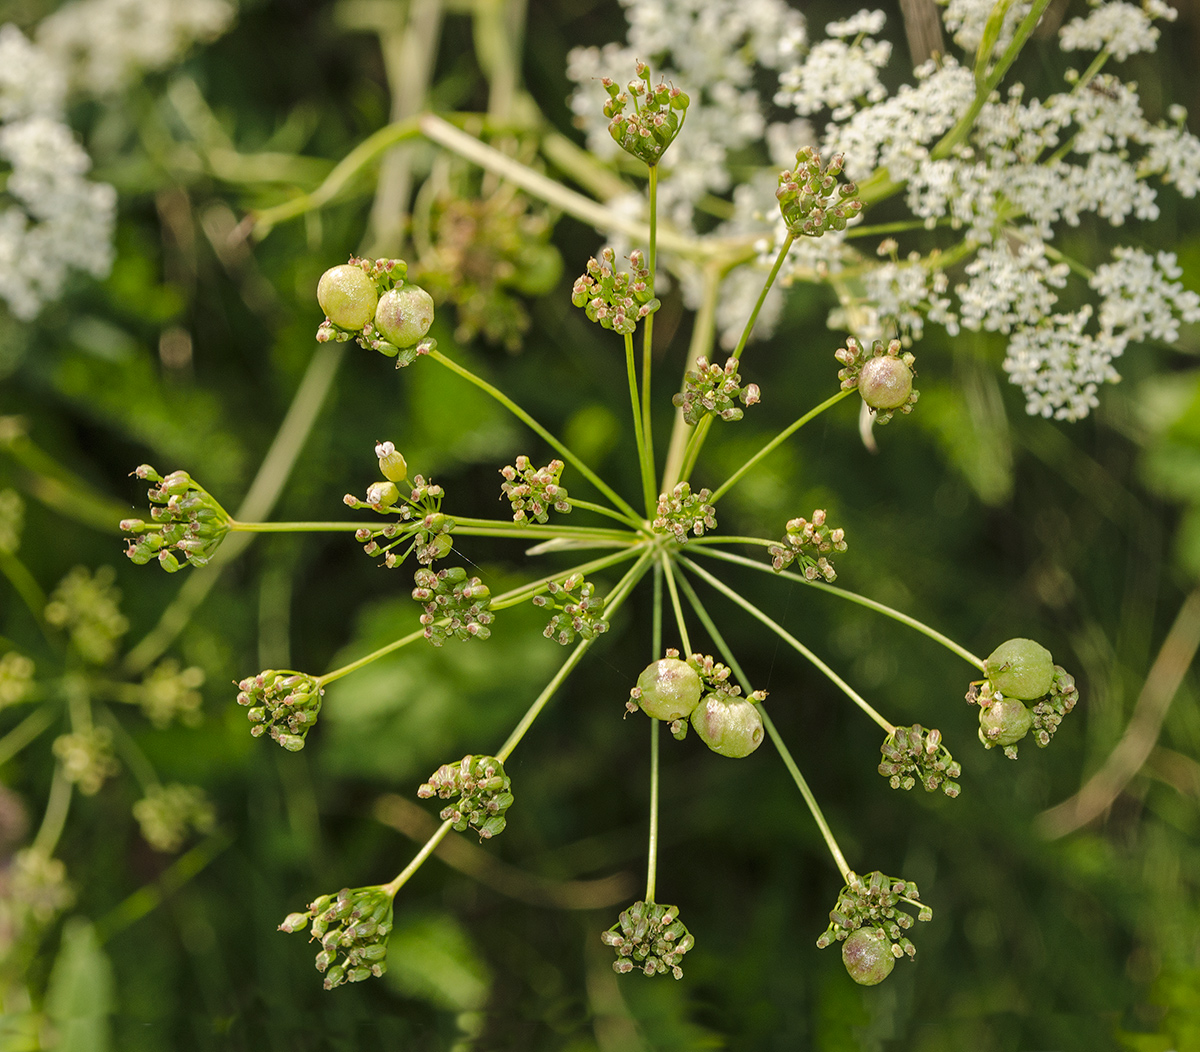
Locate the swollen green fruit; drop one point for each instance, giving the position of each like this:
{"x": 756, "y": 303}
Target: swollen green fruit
{"x": 885, "y": 382}
{"x": 347, "y": 296}
{"x": 1020, "y": 668}
{"x": 867, "y": 955}
{"x": 670, "y": 689}
{"x": 729, "y": 726}
{"x": 1004, "y": 722}
{"x": 404, "y": 315}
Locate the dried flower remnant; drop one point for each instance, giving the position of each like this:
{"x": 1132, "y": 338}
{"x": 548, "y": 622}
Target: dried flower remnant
{"x": 455, "y": 605}
{"x": 872, "y": 903}
{"x": 913, "y": 755}
{"x": 186, "y": 522}
{"x": 578, "y": 611}
{"x": 682, "y": 512}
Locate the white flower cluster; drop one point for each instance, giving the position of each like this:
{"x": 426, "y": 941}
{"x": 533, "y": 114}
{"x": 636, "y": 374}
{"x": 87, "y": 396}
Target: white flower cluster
{"x": 965, "y": 21}
{"x": 52, "y": 219}
{"x": 1123, "y": 28}
{"x": 837, "y": 75}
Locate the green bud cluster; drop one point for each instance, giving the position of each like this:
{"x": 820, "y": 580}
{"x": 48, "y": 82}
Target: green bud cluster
{"x": 810, "y": 197}
{"x": 537, "y": 490}
{"x": 681, "y": 512}
{"x": 483, "y": 790}
{"x": 370, "y": 302}
{"x": 1024, "y": 690}
{"x": 658, "y": 114}
{"x": 809, "y": 542}
{"x": 284, "y": 702}
{"x": 168, "y": 812}
{"x": 455, "y": 605}
{"x": 354, "y": 925}
{"x": 710, "y": 390}
{"x": 16, "y": 678}
{"x": 186, "y": 522}
{"x": 651, "y": 937}
{"x": 871, "y": 905}
{"x": 913, "y": 754}
{"x": 615, "y": 299}
{"x": 86, "y": 606}
{"x": 427, "y": 530}
{"x": 579, "y": 612}
{"x": 87, "y": 758}
{"x": 168, "y": 692}
{"x": 883, "y": 376}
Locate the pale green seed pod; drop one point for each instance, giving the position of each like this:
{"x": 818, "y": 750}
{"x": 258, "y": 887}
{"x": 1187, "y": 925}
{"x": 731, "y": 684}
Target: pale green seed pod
{"x": 1004, "y": 722}
{"x": 729, "y": 726}
{"x": 1020, "y": 668}
{"x": 867, "y": 955}
{"x": 347, "y": 296}
{"x": 670, "y": 689}
{"x": 885, "y": 382}
{"x": 404, "y": 315}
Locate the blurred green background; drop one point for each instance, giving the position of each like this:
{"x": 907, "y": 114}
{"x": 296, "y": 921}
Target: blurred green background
{"x": 972, "y": 516}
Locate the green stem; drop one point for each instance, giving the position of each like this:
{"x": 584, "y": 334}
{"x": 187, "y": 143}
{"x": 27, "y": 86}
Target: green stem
{"x": 468, "y": 527}
{"x": 692, "y": 451}
{"x": 652, "y": 852}
{"x": 862, "y": 600}
{"x": 141, "y": 768}
{"x": 534, "y": 426}
{"x": 784, "y": 753}
{"x": 57, "y": 806}
{"x": 669, "y": 573}
{"x": 430, "y": 845}
{"x": 527, "y": 591}
{"x": 615, "y": 599}
{"x": 780, "y": 256}
{"x": 26, "y": 586}
{"x": 791, "y": 641}
{"x": 648, "y": 480}
{"x": 783, "y": 436}
{"x": 26, "y": 732}
{"x": 375, "y": 655}
{"x": 645, "y": 465}
{"x": 600, "y": 509}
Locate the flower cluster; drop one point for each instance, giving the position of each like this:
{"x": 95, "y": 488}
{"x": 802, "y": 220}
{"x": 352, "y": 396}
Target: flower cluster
{"x": 811, "y": 200}
{"x": 681, "y": 512}
{"x": 537, "y": 490}
{"x": 87, "y": 758}
{"x": 729, "y": 724}
{"x": 428, "y": 529}
{"x": 869, "y": 923}
{"x": 187, "y": 522}
{"x": 16, "y": 677}
{"x": 658, "y": 114}
{"x": 168, "y": 812}
{"x": 710, "y": 390}
{"x": 883, "y": 376}
{"x": 618, "y": 300}
{"x": 168, "y": 692}
{"x": 649, "y": 936}
{"x": 809, "y": 542}
{"x": 353, "y": 924}
{"x": 370, "y": 302}
{"x": 482, "y": 789}
{"x": 86, "y": 605}
{"x": 455, "y": 605}
{"x": 578, "y": 610}
{"x": 284, "y": 702}
{"x": 914, "y": 754}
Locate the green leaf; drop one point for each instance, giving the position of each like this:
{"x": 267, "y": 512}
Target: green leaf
{"x": 79, "y": 999}
{"x": 991, "y": 33}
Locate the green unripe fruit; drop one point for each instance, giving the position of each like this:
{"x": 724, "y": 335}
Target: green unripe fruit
{"x": 391, "y": 462}
{"x": 404, "y": 315}
{"x": 1004, "y": 722}
{"x": 347, "y": 296}
{"x": 867, "y": 955}
{"x": 1020, "y": 668}
{"x": 885, "y": 382}
{"x": 729, "y": 726}
{"x": 670, "y": 689}
{"x": 383, "y": 494}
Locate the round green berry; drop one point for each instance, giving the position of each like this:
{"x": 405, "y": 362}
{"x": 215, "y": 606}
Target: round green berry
{"x": 729, "y": 726}
{"x": 1004, "y": 722}
{"x": 867, "y": 955}
{"x": 885, "y": 382}
{"x": 670, "y": 689}
{"x": 1020, "y": 668}
{"x": 404, "y": 315}
{"x": 347, "y": 296}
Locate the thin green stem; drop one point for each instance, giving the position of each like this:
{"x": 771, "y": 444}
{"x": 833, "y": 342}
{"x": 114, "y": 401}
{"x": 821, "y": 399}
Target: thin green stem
{"x": 534, "y": 426}
{"x": 652, "y": 852}
{"x": 527, "y": 591}
{"x": 375, "y": 655}
{"x": 780, "y": 438}
{"x": 791, "y": 641}
{"x": 780, "y": 256}
{"x": 645, "y": 465}
{"x": 142, "y": 769}
{"x": 26, "y": 732}
{"x": 468, "y": 527}
{"x": 600, "y": 509}
{"x": 691, "y": 452}
{"x": 55, "y": 817}
{"x": 419, "y": 858}
{"x": 615, "y": 599}
{"x": 784, "y": 753}
{"x": 648, "y": 480}
{"x": 26, "y": 586}
{"x": 853, "y": 597}
{"x": 669, "y": 573}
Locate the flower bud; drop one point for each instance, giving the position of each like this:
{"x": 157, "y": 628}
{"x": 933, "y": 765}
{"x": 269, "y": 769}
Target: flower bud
{"x": 347, "y": 296}
{"x": 404, "y": 315}
{"x": 885, "y": 382}
{"x": 729, "y": 726}
{"x": 867, "y": 955}
{"x": 1020, "y": 668}
{"x": 670, "y": 689}
{"x": 392, "y": 464}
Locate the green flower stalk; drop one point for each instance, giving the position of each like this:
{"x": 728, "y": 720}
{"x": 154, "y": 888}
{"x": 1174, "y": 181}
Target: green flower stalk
{"x": 187, "y": 522}
{"x": 353, "y": 927}
{"x": 482, "y": 790}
